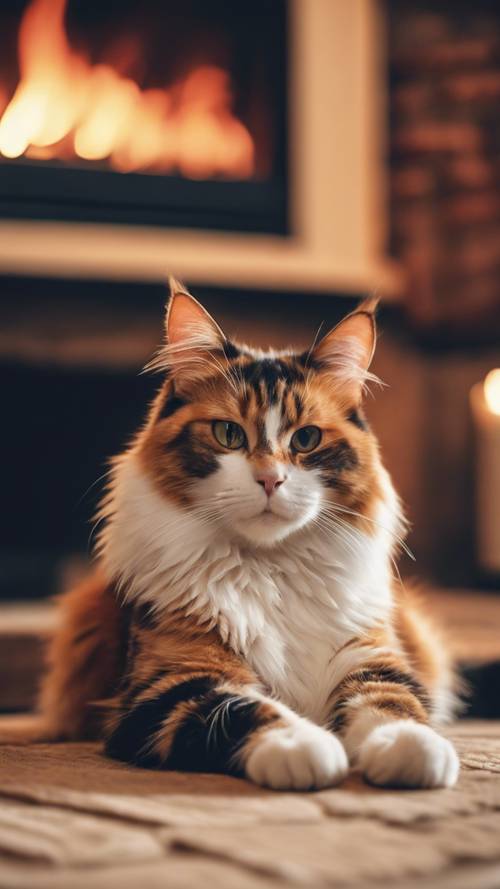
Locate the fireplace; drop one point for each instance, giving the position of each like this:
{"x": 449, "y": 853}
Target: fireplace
{"x": 298, "y": 203}
{"x": 159, "y": 113}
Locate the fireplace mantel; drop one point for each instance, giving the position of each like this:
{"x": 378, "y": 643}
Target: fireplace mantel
{"x": 338, "y": 206}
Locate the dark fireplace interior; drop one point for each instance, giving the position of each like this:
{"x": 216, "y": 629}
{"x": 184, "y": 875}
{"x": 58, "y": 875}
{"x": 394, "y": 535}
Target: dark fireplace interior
{"x": 152, "y": 113}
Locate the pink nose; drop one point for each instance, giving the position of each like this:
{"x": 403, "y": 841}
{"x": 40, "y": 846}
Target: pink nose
{"x": 269, "y": 481}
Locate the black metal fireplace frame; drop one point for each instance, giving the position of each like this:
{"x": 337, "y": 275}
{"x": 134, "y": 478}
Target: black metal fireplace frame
{"x": 36, "y": 191}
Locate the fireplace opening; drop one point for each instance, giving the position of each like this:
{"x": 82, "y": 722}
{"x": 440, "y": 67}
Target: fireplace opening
{"x": 158, "y": 113}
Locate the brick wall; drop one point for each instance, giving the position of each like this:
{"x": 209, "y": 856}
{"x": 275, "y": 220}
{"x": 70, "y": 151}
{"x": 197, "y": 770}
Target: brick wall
{"x": 445, "y": 162}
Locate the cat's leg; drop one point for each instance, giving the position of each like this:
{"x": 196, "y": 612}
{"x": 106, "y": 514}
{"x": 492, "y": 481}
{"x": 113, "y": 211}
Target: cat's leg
{"x": 84, "y": 660}
{"x": 204, "y": 722}
{"x": 382, "y": 714}
{"x": 188, "y": 703}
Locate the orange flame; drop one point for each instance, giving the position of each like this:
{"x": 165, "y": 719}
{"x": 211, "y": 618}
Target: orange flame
{"x": 66, "y": 108}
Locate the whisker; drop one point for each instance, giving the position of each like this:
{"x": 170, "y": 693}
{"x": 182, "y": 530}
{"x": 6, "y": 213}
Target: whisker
{"x": 336, "y": 508}
{"x": 104, "y": 475}
{"x": 313, "y": 344}
{"x": 340, "y": 529}
{"x": 93, "y": 530}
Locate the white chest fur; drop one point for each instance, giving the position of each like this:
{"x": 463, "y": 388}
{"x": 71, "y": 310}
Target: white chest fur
{"x": 287, "y": 610}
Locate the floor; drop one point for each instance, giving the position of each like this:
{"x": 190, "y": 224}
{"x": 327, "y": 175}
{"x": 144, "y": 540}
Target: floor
{"x": 71, "y": 818}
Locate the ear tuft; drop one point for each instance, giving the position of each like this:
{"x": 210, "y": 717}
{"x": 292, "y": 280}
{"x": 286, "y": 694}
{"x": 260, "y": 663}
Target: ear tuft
{"x": 369, "y": 305}
{"x": 176, "y": 286}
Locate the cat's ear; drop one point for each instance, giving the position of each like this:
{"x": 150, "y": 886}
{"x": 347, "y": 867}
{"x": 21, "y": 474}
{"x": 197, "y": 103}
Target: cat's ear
{"x": 346, "y": 352}
{"x": 193, "y": 338}
{"x": 187, "y": 321}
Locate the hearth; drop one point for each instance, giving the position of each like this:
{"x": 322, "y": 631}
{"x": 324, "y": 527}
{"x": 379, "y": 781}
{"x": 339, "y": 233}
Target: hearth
{"x": 159, "y": 113}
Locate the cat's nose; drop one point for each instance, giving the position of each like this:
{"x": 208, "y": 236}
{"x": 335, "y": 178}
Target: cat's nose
{"x": 270, "y": 481}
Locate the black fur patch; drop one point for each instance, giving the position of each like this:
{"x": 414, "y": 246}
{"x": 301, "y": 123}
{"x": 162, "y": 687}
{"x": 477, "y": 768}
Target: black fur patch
{"x": 193, "y": 749}
{"x": 357, "y": 418}
{"x": 299, "y": 405}
{"x": 171, "y": 404}
{"x": 332, "y": 461}
{"x": 198, "y": 460}
{"x": 307, "y": 361}
{"x": 230, "y": 350}
{"x": 144, "y": 616}
{"x": 259, "y": 397}
{"x": 270, "y": 371}
{"x": 129, "y": 741}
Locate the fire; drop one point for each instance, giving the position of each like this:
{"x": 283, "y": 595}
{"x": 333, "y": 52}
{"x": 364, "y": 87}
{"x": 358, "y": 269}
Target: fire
{"x": 66, "y": 108}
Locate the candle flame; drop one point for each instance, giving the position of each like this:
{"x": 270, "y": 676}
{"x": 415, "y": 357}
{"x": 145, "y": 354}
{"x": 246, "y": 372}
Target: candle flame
{"x": 492, "y": 391}
{"x": 65, "y": 107}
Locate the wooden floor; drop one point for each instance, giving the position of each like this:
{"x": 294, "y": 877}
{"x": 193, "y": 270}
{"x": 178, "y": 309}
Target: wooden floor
{"x": 71, "y": 818}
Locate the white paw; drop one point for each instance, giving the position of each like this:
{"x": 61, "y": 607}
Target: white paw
{"x": 301, "y": 756}
{"x": 406, "y": 754}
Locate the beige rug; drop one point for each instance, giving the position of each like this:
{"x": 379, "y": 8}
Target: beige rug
{"x": 69, "y": 817}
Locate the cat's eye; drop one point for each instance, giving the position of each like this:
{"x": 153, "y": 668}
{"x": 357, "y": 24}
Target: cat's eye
{"x": 306, "y": 439}
{"x": 228, "y": 434}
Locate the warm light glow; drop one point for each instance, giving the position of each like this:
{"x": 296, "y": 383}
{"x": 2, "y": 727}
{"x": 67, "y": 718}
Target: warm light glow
{"x": 492, "y": 391}
{"x": 65, "y": 107}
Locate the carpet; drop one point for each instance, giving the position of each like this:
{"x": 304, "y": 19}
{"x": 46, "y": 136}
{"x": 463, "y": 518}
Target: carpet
{"x": 69, "y": 817}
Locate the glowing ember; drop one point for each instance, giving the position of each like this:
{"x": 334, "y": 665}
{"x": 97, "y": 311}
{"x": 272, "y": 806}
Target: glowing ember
{"x": 66, "y": 108}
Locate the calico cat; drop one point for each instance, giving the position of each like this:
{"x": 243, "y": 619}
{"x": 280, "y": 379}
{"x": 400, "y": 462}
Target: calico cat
{"x": 244, "y": 617}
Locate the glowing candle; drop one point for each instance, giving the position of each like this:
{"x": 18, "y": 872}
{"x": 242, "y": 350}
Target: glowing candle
{"x": 485, "y": 404}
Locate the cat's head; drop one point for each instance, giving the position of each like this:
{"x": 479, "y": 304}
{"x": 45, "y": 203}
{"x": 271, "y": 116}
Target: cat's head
{"x": 262, "y": 444}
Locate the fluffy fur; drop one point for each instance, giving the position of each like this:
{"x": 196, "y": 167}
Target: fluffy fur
{"x": 265, "y": 634}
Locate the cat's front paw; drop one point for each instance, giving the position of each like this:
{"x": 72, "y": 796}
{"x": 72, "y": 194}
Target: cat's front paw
{"x": 301, "y": 756}
{"x": 406, "y": 754}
